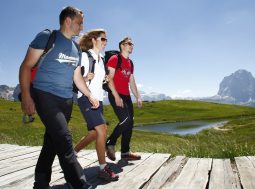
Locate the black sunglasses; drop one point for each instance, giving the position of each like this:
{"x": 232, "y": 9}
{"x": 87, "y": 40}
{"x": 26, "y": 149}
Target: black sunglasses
{"x": 102, "y": 39}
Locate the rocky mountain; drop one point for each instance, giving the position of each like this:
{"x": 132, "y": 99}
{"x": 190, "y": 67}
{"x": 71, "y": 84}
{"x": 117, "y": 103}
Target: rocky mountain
{"x": 6, "y": 92}
{"x": 239, "y": 85}
{"x": 237, "y": 88}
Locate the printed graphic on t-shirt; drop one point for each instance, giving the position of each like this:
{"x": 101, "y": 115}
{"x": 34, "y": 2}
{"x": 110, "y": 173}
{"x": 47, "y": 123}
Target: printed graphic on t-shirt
{"x": 126, "y": 73}
{"x": 62, "y": 58}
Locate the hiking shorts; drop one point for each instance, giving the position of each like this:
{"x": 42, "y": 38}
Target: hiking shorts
{"x": 93, "y": 117}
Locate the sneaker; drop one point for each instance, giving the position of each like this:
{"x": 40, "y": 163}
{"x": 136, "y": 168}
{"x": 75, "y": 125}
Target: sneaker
{"x": 107, "y": 174}
{"x": 130, "y": 156}
{"x": 110, "y": 151}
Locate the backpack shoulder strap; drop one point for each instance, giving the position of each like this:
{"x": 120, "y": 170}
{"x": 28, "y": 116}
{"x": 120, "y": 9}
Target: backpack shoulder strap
{"x": 118, "y": 66}
{"x": 132, "y": 66}
{"x": 49, "y": 45}
{"x": 51, "y": 40}
{"x": 92, "y": 62}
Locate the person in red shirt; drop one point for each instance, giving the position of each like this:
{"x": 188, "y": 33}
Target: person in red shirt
{"x": 120, "y": 80}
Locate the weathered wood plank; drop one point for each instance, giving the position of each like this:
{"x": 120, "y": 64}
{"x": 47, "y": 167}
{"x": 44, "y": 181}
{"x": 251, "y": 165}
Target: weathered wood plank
{"x": 222, "y": 175}
{"x": 141, "y": 174}
{"x": 122, "y": 168}
{"x": 19, "y": 159}
{"x": 194, "y": 175}
{"x": 9, "y": 146}
{"x": 85, "y": 162}
{"x": 246, "y": 171}
{"x": 28, "y": 179}
{"x": 252, "y": 159}
{"x": 168, "y": 170}
{"x": 18, "y": 152}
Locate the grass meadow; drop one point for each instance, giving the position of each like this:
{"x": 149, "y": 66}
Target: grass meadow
{"x": 234, "y": 139}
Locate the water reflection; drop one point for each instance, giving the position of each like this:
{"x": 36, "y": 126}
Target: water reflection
{"x": 181, "y": 128}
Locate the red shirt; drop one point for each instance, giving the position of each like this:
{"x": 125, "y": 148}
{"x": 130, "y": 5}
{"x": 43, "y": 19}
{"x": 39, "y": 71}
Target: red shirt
{"x": 122, "y": 76}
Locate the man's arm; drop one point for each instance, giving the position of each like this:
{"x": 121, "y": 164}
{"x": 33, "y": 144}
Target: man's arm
{"x": 118, "y": 99}
{"x": 135, "y": 91}
{"x": 30, "y": 60}
{"x": 82, "y": 86}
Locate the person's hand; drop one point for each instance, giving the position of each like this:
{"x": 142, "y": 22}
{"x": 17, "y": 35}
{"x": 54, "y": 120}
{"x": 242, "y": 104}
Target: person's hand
{"x": 94, "y": 102}
{"x": 139, "y": 102}
{"x": 27, "y": 105}
{"x": 119, "y": 101}
{"x": 89, "y": 76}
{"x": 106, "y": 78}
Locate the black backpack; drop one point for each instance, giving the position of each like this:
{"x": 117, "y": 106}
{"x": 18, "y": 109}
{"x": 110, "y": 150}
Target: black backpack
{"x": 108, "y": 55}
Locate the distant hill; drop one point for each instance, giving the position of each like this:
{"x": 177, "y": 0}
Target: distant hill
{"x": 11, "y": 93}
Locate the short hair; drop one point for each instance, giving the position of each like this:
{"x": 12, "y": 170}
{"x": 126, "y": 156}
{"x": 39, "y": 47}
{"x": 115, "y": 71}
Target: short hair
{"x": 86, "y": 40}
{"x": 124, "y": 40}
{"x": 69, "y": 11}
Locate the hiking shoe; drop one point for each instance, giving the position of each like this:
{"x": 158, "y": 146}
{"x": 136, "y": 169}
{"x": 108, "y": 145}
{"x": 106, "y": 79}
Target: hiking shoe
{"x": 130, "y": 156}
{"x": 107, "y": 174}
{"x": 110, "y": 152}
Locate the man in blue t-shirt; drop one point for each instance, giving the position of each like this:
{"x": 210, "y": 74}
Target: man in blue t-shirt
{"x": 52, "y": 97}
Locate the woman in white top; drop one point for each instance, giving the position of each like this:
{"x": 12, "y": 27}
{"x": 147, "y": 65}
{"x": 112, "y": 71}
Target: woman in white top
{"x": 92, "y": 43}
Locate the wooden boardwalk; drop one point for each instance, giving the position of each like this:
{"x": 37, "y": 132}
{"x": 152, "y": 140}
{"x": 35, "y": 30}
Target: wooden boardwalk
{"x": 153, "y": 171}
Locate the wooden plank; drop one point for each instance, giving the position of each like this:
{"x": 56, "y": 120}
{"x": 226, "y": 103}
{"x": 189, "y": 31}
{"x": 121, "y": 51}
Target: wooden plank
{"x": 83, "y": 162}
{"x": 138, "y": 176}
{"x": 252, "y": 159}
{"x": 90, "y": 170}
{"x": 28, "y": 176}
{"x": 24, "y": 174}
{"x": 193, "y": 176}
{"x": 222, "y": 175}
{"x": 19, "y": 159}
{"x": 246, "y": 171}
{"x": 169, "y": 169}
{"x": 122, "y": 168}
{"x": 16, "y": 167}
{"x": 8, "y": 146}
{"x": 18, "y": 152}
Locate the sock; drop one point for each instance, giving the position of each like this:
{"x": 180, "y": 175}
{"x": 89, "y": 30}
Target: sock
{"x": 102, "y": 166}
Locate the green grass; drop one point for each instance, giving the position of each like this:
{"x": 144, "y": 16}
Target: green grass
{"x": 236, "y": 140}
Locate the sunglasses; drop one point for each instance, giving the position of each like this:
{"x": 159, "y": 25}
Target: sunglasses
{"x": 102, "y": 39}
{"x": 129, "y": 43}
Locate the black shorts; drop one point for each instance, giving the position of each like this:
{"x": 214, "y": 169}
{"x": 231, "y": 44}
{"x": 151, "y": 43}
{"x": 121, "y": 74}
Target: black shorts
{"x": 93, "y": 117}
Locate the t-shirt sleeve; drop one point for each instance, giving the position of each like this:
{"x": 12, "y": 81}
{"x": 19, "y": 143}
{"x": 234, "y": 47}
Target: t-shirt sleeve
{"x": 112, "y": 62}
{"x": 40, "y": 40}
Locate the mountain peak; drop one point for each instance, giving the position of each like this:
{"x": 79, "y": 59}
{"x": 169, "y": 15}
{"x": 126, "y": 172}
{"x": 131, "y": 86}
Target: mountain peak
{"x": 240, "y": 85}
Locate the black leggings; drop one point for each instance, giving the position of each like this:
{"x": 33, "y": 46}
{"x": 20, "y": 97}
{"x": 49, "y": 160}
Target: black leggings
{"x": 126, "y": 123}
{"x": 55, "y": 113}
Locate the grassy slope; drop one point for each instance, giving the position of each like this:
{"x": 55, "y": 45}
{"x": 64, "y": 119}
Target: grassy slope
{"x": 237, "y": 140}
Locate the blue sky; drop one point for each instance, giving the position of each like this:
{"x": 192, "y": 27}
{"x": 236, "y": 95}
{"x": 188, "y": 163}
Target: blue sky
{"x": 182, "y": 48}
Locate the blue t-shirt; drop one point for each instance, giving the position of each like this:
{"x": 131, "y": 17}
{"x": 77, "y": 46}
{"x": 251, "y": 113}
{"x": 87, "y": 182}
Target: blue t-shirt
{"x": 55, "y": 72}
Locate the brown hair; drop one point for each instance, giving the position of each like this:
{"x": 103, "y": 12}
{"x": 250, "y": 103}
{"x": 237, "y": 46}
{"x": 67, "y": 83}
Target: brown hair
{"x": 70, "y": 12}
{"x": 86, "y": 39}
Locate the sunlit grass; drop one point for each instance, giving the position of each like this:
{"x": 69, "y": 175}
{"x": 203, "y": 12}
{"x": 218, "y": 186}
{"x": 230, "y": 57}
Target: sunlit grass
{"x": 236, "y": 138}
